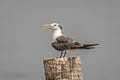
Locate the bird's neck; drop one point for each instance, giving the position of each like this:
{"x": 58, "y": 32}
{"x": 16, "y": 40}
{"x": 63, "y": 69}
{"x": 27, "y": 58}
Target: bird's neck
{"x": 57, "y": 33}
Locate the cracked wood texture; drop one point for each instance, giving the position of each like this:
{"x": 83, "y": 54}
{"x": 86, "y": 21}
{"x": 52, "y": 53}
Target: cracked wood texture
{"x": 65, "y": 68}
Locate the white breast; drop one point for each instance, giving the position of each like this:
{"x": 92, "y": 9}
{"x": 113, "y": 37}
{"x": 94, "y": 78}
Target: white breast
{"x": 57, "y": 33}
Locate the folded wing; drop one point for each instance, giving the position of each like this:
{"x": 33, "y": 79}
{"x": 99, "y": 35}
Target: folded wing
{"x": 65, "y": 43}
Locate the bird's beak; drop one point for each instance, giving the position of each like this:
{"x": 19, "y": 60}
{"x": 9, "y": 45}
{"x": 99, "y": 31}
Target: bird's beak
{"x": 48, "y": 26}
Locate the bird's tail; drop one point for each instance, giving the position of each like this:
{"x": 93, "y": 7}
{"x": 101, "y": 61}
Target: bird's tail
{"x": 86, "y": 46}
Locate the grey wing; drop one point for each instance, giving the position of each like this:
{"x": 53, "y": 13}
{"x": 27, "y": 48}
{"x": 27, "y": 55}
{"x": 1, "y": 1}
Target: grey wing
{"x": 63, "y": 43}
{"x": 61, "y": 46}
{"x": 63, "y": 39}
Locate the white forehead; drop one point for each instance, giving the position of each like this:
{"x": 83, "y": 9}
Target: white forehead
{"x": 55, "y": 24}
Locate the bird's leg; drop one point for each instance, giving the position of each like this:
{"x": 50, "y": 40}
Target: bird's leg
{"x": 61, "y": 53}
{"x": 64, "y": 54}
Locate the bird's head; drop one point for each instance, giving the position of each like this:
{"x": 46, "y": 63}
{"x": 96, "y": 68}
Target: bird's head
{"x": 53, "y": 26}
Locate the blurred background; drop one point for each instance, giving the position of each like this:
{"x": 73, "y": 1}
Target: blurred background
{"x": 24, "y": 45}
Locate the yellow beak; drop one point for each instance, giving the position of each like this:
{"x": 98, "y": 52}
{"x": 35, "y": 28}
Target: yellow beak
{"x": 48, "y": 26}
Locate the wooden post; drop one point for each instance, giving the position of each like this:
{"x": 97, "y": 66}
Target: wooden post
{"x": 64, "y": 68}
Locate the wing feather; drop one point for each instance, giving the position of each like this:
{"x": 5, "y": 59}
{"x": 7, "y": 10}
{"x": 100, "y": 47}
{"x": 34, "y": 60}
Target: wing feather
{"x": 65, "y": 43}
{"x": 63, "y": 39}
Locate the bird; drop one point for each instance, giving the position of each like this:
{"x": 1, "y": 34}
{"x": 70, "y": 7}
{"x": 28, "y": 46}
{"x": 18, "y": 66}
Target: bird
{"x": 63, "y": 43}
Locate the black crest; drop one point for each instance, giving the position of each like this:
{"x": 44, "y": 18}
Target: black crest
{"x": 60, "y": 27}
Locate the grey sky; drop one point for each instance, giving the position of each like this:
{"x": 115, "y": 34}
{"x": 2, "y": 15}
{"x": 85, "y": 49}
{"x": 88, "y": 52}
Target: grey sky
{"x": 24, "y": 45}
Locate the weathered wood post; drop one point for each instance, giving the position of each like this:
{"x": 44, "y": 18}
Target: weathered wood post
{"x": 64, "y": 68}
